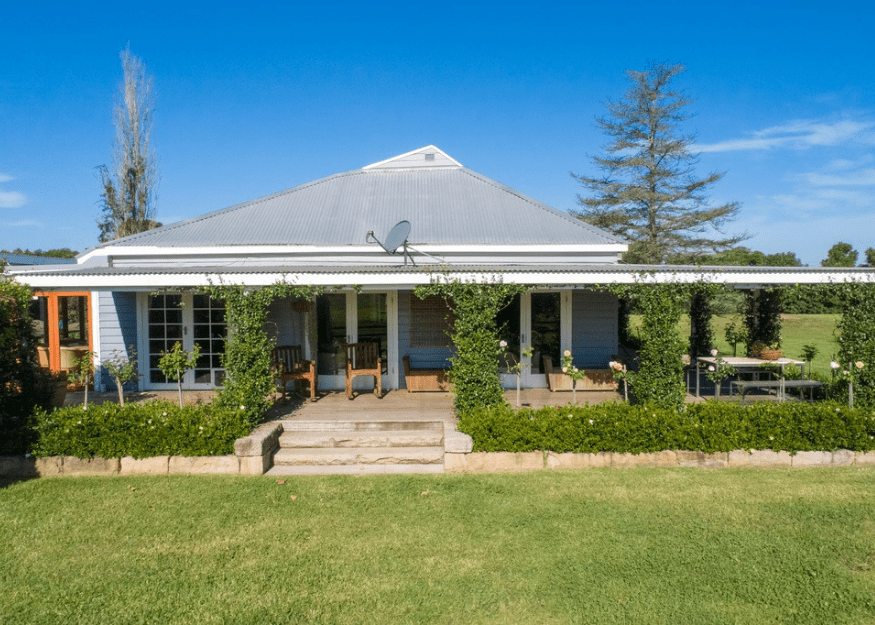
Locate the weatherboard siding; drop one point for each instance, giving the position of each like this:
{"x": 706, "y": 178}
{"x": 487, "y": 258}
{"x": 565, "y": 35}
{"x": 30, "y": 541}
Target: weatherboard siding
{"x": 118, "y": 328}
{"x": 593, "y": 328}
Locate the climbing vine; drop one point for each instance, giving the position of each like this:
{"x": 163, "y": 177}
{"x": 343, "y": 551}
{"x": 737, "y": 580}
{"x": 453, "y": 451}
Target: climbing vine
{"x": 660, "y": 377}
{"x": 475, "y": 335}
{"x": 856, "y": 338}
{"x": 762, "y": 316}
{"x": 248, "y": 379}
{"x": 701, "y": 312}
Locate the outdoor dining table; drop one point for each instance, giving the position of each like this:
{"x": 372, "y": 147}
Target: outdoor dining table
{"x": 743, "y": 364}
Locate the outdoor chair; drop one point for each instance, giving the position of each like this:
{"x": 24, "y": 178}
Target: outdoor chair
{"x": 289, "y": 364}
{"x": 363, "y": 359}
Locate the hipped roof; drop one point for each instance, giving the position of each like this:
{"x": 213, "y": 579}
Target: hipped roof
{"x": 445, "y": 203}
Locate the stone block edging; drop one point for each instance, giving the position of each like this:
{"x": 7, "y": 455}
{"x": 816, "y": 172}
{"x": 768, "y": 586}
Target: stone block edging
{"x": 498, "y": 462}
{"x": 253, "y": 455}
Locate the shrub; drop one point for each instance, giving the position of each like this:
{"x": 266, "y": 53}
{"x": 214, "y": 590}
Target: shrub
{"x": 708, "y": 427}
{"x": 139, "y": 430}
{"x": 22, "y": 385}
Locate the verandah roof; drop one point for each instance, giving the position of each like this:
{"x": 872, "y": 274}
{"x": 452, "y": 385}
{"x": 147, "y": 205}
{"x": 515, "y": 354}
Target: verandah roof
{"x": 406, "y": 276}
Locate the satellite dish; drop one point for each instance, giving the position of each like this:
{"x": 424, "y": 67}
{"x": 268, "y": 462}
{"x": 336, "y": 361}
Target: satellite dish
{"x": 397, "y": 236}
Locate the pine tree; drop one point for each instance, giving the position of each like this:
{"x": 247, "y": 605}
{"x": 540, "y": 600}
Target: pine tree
{"x": 128, "y": 191}
{"x": 649, "y": 194}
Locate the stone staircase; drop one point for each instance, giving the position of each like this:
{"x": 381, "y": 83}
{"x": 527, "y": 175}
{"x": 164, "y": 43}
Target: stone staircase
{"x": 359, "y": 448}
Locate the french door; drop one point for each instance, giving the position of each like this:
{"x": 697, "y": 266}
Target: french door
{"x": 541, "y": 321}
{"x": 189, "y": 319}
{"x": 350, "y": 317}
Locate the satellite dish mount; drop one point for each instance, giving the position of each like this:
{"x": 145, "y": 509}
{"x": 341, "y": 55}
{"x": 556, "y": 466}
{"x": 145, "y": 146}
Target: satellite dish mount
{"x": 397, "y": 238}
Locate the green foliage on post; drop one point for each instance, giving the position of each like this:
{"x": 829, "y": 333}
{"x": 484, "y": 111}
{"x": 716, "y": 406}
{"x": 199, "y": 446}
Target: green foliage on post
{"x": 762, "y": 316}
{"x": 701, "y": 333}
{"x": 660, "y": 378}
{"x": 474, "y": 374}
{"x": 248, "y": 379}
{"x": 856, "y": 338}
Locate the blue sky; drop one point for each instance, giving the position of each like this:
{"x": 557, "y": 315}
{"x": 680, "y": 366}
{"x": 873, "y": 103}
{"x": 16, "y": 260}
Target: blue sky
{"x": 253, "y": 99}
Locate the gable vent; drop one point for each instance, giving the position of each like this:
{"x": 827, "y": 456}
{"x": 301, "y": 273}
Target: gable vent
{"x": 429, "y": 157}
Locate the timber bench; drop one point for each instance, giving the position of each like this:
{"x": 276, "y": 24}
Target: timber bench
{"x": 423, "y": 376}
{"x": 780, "y": 386}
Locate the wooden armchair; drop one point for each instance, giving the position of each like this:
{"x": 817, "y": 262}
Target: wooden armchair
{"x": 289, "y": 364}
{"x": 363, "y": 359}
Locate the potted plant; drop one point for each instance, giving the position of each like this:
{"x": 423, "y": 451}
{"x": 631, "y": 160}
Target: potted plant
{"x": 765, "y": 351}
{"x": 60, "y": 388}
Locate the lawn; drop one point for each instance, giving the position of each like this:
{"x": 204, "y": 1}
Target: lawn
{"x": 600, "y": 546}
{"x": 798, "y": 330}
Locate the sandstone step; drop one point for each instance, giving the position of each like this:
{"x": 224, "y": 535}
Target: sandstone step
{"x": 355, "y": 469}
{"x": 335, "y": 456}
{"x": 362, "y": 438}
{"x": 362, "y": 426}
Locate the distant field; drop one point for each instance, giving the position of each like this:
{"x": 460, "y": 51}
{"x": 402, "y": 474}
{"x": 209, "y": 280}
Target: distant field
{"x": 798, "y": 330}
{"x": 668, "y": 546}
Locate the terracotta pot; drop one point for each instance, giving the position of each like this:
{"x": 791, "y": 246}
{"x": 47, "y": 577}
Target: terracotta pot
{"x": 770, "y": 354}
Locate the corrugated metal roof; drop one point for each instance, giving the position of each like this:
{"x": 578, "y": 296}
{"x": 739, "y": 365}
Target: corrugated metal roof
{"x": 445, "y": 206}
{"x": 32, "y": 259}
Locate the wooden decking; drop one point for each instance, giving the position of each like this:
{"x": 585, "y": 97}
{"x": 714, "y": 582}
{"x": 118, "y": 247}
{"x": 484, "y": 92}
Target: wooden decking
{"x": 404, "y": 406}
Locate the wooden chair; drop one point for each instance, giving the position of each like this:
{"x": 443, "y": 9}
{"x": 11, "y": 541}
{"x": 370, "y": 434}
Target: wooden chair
{"x": 289, "y": 364}
{"x": 363, "y": 359}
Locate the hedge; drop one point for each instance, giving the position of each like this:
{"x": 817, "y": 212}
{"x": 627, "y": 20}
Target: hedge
{"x": 140, "y": 430}
{"x": 708, "y": 427}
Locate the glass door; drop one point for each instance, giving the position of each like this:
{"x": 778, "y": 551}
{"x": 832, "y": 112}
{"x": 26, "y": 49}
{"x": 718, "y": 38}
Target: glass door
{"x": 331, "y": 334}
{"x": 209, "y": 329}
{"x": 540, "y": 321}
{"x": 355, "y": 318}
{"x": 189, "y": 319}
{"x": 545, "y": 316}
{"x": 372, "y": 323}
{"x": 165, "y": 330}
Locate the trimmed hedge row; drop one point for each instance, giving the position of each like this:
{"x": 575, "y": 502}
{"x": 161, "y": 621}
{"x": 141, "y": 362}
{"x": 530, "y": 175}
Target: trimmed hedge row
{"x": 140, "y": 430}
{"x": 708, "y": 427}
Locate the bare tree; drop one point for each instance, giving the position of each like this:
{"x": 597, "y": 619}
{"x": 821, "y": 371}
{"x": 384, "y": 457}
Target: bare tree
{"x": 128, "y": 190}
{"x": 649, "y": 193}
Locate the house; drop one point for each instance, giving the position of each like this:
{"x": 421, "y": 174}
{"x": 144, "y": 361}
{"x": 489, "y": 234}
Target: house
{"x": 333, "y": 233}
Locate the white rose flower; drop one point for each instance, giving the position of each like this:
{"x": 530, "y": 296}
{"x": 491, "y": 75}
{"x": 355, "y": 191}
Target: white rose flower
{"x": 834, "y": 364}
{"x": 714, "y": 352}
{"x": 567, "y": 352}
{"x": 859, "y": 364}
{"x": 502, "y": 343}
{"x": 711, "y": 368}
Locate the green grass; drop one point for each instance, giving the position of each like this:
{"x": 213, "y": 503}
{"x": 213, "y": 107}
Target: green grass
{"x": 599, "y": 546}
{"x": 798, "y": 330}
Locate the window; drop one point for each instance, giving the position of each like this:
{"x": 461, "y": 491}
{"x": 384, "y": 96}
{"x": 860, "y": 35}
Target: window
{"x": 431, "y": 320}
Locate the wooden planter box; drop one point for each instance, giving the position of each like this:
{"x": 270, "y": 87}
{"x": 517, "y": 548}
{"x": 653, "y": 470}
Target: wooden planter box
{"x": 419, "y": 380}
{"x": 594, "y": 380}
